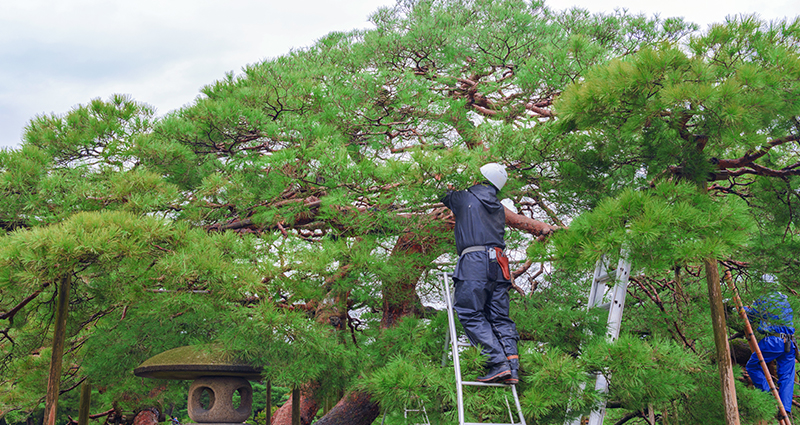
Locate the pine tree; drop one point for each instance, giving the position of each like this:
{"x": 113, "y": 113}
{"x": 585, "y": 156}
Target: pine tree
{"x": 722, "y": 108}
{"x": 290, "y": 214}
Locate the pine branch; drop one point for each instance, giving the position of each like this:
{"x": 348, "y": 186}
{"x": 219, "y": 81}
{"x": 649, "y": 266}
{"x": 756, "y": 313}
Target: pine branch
{"x": 522, "y": 269}
{"x": 535, "y": 227}
{"x": 550, "y": 213}
{"x": 535, "y": 283}
{"x": 628, "y": 417}
{"x": 749, "y": 157}
{"x": 758, "y": 170}
{"x": 538, "y": 110}
{"x": 76, "y": 385}
{"x": 10, "y": 314}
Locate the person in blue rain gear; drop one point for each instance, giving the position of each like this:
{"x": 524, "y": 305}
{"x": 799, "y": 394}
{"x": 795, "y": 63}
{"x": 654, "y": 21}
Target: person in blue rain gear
{"x": 482, "y": 277}
{"x": 773, "y": 315}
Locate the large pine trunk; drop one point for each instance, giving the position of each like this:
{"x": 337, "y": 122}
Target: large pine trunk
{"x": 721, "y": 341}
{"x": 308, "y": 409}
{"x": 355, "y": 408}
{"x": 147, "y": 416}
{"x": 400, "y": 292}
{"x": 57, "y": 356}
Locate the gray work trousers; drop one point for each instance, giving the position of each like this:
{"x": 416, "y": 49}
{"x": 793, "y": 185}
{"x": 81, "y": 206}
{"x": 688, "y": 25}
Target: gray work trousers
{"x": 482, "y": 308}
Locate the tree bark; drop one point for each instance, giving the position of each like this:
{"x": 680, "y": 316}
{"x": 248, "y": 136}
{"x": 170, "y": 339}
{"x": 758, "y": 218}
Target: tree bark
{"x": 57, "y": 356}
{"x": 296, "y": 406}
{"x": 146, "y": 417}
{"x": 721, "y": 341}
{"x": 355, "y": 408}
{"x": 400, "y": 291}
{"x": 83, "y": 406}
{"x": 308, "y": 409}
{"x": 536, "y": 228}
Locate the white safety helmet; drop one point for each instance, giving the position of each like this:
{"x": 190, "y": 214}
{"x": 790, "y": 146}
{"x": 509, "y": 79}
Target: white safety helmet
{"x": 495, "y": 173}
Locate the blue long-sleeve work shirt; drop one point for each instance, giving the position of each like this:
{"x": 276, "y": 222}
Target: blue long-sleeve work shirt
{"x": 772, "y": 313}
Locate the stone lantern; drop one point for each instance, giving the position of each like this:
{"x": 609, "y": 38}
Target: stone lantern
{"x": 216, "y": 377}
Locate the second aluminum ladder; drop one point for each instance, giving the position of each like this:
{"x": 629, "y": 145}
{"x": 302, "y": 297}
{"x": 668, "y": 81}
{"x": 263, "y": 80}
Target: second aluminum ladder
{"x": 460, "y": 384}
{"x": 600, "y": 279}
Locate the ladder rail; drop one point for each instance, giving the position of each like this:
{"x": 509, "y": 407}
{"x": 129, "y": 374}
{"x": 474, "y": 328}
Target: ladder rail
{"x": 616, "y": 308}
{"x": 420, "y": 409}
{"x": 454, "y": 347}
{"x": 519, "y": 406}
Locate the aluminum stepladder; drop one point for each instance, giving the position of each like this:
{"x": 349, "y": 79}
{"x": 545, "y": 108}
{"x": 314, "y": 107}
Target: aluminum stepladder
{"x": 614, "y": 307}
{"x": 419, "y": 410}
{"x": 457, "y": 366}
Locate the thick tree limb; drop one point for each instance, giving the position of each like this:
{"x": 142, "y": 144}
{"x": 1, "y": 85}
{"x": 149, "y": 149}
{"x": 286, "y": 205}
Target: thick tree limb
{"x": 400, "y": 297}
{"x": 355, "y": 408}
{"x": 539, "y": 111}
{"x": 535, "y": 227}
{"x": 764, "y": 171}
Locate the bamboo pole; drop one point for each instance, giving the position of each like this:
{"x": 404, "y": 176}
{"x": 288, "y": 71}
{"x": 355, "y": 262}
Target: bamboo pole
{"x": 57, "y": 356}
{"x": 751, "y": 340}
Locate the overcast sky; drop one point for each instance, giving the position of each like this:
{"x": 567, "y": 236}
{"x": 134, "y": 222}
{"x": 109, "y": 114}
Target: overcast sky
{"x": 56, "y": 54}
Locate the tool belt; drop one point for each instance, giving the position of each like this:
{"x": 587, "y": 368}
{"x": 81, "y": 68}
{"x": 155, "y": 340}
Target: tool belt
{"x": 788, "y": 341}
{"x": 496, "y": 254}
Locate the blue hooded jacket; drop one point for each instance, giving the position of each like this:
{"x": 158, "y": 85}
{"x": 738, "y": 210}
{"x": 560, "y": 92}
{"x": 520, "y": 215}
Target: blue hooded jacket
{"x": 480, "y": 217}
{"x": 480, "y": 220}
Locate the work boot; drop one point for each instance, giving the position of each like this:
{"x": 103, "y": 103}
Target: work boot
{"x": 495, "y": 373}
{"x": 513, "y": 363}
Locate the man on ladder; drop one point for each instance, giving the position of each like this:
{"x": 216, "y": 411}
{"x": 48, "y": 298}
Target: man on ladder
{"x": 482, "y": 277}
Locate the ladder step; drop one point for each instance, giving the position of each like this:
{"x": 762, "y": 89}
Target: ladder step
{"x": 485, "y": 384}
{"x": 604, "y": 306}
{"x": 491, "y": 423}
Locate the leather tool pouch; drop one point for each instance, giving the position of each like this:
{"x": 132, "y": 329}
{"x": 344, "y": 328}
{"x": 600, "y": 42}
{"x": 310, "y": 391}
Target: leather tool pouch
{"x": 502, "y": 260}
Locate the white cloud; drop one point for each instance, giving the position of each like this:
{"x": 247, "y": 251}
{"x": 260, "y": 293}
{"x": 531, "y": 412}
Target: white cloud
{"x": 57, "y": 54}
